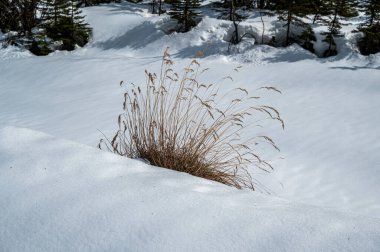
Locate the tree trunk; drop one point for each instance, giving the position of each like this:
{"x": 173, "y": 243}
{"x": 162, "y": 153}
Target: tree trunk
{"x": 186, "y": 15}
{"x": 159, "y": 7}
{"x": 289, "y": 20}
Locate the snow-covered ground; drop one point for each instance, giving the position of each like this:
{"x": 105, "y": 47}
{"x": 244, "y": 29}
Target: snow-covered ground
{"x": 58, "y": 195}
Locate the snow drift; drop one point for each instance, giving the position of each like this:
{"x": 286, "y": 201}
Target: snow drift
{"x": 57, "y": 195}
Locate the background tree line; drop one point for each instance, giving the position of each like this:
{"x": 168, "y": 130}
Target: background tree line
{"x": 292, "y": 13}
{"x": 46, "y": 25}
{"x": 43, "y": 26}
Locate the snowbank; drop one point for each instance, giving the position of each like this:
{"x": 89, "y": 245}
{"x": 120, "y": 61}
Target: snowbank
{"x": 57, "y": 195}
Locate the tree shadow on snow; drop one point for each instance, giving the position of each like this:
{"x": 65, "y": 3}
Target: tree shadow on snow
{"x": 203, "y": 50}
{"x": 136, "y": 38}
{"x": 354, "y": 68}
{"x": 290, "y": 54}
{"x": 126, "y": 7}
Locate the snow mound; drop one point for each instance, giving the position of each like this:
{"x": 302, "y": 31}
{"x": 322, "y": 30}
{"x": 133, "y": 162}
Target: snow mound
{"x": 13, "y": 52}
{"x": 58, "y": 195}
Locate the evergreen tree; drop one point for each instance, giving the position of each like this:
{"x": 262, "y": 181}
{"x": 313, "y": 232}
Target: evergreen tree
{"x": 63, "y": 21}
{"x": 28, "y": 15}
{"x": 9, "y": 16}
{"x": 290, "y": 12}
{"x": 186, "y": 14}
{"x": 334, "y": 27}
{"x": 260, "y": 4}
{"x": 370, "y": 42}
{"x": 153, "y": 3}
{"x": 74, "y": 28}
{"x": 157, "y": 5}
{"x": 233, "y": 16}
{"x": 58, "y": 20}
{"x": 319, "y": 8}
{"x": 92, "y": 2}
{"x": 52, "y": 11}
{"x": 347, "y": 8}
{"x": 372, "y": 10}
{"x": 18, "y": 15}
{"x": 244, "y": 3}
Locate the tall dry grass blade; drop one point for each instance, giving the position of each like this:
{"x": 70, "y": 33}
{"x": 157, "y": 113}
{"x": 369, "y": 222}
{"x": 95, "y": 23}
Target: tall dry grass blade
{"x": 174, "y": 121}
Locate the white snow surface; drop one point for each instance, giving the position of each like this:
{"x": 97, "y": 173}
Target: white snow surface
{"x": 56, "y": 195}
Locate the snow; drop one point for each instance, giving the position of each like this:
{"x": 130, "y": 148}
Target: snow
{"x": 324, "y": 190}
{"x": 58, "y": 195}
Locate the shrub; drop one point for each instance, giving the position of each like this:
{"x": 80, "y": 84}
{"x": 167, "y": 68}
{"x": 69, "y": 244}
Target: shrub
{"x": 40, "y": 48}
{"x": 174, "y": 122}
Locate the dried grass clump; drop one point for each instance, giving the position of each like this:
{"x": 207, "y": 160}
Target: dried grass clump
{"x": 174, "y": 122}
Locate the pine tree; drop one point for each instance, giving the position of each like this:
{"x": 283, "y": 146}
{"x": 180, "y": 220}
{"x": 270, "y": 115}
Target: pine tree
{"x": 28, "y": 15}
{"x": 319, "y": 8}
{"x": 370, "y": 42}
{"x": 334, "y": 27}
{"x": 290, "y": 12}
{"x": 63, "y": 21}
{"x": 92, "y": 2}
{"x": 52, "y": 11}
{"x": 372, "y": 10}
{"x": 347, "y": 8}
{"x": 233, "y": 16}
{"x": 186, "y": 14}
{"x": 18, "y": 16}
{"x": 72, "y": 29}
{"x": 157, "y": 5}
{"x": 9, "y": 16}
{"x": 260, "y": 4}
{"x": 235, "y": 38}
{"x": 244, "y": 3}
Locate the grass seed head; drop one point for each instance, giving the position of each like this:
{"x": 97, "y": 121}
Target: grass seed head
{"x": 174, "y": 122}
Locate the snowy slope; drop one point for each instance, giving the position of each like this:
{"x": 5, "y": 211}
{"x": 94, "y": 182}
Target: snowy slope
{"x": 329, "y": 149}
{"x": 57, "y": 195}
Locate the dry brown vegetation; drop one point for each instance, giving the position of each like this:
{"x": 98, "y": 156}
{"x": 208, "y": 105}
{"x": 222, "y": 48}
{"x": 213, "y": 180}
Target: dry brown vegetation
{"x": 173, "y": 121}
